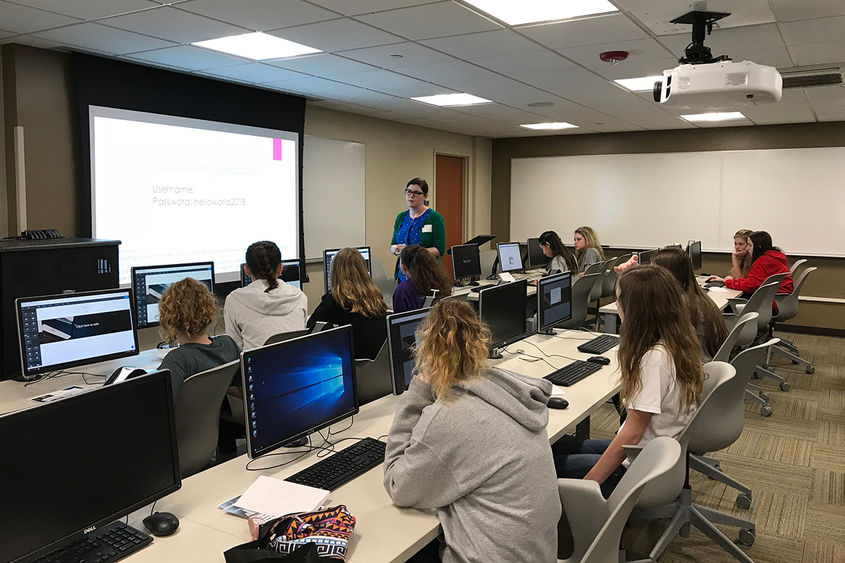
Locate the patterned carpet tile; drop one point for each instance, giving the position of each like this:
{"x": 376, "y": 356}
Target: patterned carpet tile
{"x": 825, "y": 524}
{"x": 829, "y": 488}
{"x": 824, "y": 552}
{"x": 779, "y": 447}
{"x": 831, "y": 430}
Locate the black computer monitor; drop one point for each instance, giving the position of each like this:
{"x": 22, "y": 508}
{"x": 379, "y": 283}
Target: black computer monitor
{"x": 290, "y": 273}
{"x": 150, "y": 282}
{"x": 79, "y": 463}
{"x": 402, "y": 340}
{"x": 536, "y": 257}
{"x": 644, "y": 257}
{"x": 329, "y": 254}
{"x": 510, "y": 257}
{"x": 554, "y": 301}
{"x": 297, "y": 387}
{"x": 694, "y": 251}
{"x": 502, "y": 307}
{"x": 466, "y": 261}
{"x": 74, "y": 329}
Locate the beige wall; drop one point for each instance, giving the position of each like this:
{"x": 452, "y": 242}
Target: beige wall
{"x": 4, "y": 209}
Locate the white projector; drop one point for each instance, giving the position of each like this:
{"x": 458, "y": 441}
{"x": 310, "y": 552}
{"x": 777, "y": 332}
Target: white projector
{"x": 718, "y": 85}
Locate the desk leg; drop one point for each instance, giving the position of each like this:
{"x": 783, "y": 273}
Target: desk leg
{"x": 582, "y": 429}
{"x": 610, "y": 321}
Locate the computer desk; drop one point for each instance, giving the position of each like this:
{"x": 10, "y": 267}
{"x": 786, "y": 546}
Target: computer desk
{"x": 383, "y": 532}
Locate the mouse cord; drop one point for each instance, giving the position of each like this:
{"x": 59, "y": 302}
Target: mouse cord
{"x": 550, "y": 355}
{"x": 153, "y": 507}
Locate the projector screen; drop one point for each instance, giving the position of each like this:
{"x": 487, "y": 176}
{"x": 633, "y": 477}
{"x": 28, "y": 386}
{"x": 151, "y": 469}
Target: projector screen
{"x": 177, "y": 190}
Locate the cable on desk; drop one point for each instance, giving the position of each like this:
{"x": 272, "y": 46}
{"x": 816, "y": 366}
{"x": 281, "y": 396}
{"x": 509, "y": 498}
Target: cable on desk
{"x": 571, "y": 338}
{"x": 48, "y": 375}
{"x": 520, "y": 352}
{"x": 550, "y": 355}
{"x": 591, "y": 332}
{"x": 310, "y": 448}
{"x": 351, "y": 422}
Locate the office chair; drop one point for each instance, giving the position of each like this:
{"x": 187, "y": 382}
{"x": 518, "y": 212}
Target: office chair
{"x": 282, "y": 336}
{"x": 198, "y": 416}
{"x": 384, "y": 283}
{"x": 598, "y": 288}
{"x": 787, "y": 308}
{"x": 581, "y": 288}
{"x": 597, "y": 523}
{"x": 795, "y": 265}
{"x": 372, "y": 377}
{"x": 608, "y": 288}
{"x": 715, "y": 422}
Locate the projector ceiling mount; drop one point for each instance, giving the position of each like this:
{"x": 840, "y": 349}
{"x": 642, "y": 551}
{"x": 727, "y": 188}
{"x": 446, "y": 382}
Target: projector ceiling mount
{"x": 696, "y": 53}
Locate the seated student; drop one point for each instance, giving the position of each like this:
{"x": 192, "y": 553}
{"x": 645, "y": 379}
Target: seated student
{"x": 267, "y": 306}
{"x": 562, "y": 258}
{"x": 185, "y": 311}
{"x": 661, "y": 372}
{"x": 587, "y": 248}
{"x": 705, "y": 316}
{"x": 500, "y": 506}
{"x": 741, "y": 257}
{"x": 766, "y": 260}
{"x": 423, "y": 274}
{"x": 353, "y": 299}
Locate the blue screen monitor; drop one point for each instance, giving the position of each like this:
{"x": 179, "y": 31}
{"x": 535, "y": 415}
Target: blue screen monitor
{"x": 554, "y": 301}
{"x": 297, "y": 387}
{"x": 510, "y": 256}
{"x": 150, "y": 282}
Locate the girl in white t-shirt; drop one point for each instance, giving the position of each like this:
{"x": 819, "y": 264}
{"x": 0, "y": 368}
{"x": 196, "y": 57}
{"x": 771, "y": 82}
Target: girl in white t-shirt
{"x": 661, "y": 372}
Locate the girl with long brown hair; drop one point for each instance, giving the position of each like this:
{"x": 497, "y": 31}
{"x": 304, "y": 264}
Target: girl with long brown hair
{"x": 355, "y": 300}
{"x": 741, "y": 256}
{"x": 456, "y": 412}
{"x": 661, "y": 372}
{"x": 423, "y": 273}
{"x": 587, "y": 247}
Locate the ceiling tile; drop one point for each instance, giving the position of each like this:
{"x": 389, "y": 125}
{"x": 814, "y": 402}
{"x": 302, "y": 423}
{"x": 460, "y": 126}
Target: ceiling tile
{"x": 332, "y": 90}
{"x": 819, "y": 53}
{"x": 826, "y": 96}
{"x": 254, "y": 72}
{"x": 484, "y": 44}
{"x": 439, "y": 72}
{"x": 174, "y": 25}
{"x": 389, "y": 82}
{"x": 320, "y": 64}
{"x": 588, "y": 31}
{"x": 657, "y": 15}
{"x": 790, "y": 10}
{"x": 337, "y": 35}
{"x": 23, "y": 19}
{"x": 259, "y": 15}
{"x": 104, "y": 39}
{"x": 397, "y": 55}
{"x": 90, "y": 9}
{"x": 831, "y": 113}
{"x": 792, "y": 108}
{"x": 31, "y": 41}
{"x": 504, "y": 113}
{"x": 516, "y": 63}
{"x": 635, "y": 68}
{"x": 430, "y": 20}
{"x": 638, "y": 49}
{"x": 355, "y": 7}
{"x": 187, "y": 57}
{"x": 814, "y": 31}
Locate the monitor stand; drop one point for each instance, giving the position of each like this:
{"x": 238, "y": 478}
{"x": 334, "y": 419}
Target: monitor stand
{"x": 494, "y": 354}
{"x": 462, "y": 283}
{"x": 298, "y": 443}
{"x": 547, "y": 331}
{"x": 21, "y": 378}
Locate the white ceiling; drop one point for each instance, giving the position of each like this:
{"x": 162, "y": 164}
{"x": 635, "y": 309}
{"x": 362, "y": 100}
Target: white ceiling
{"x": 378, "y": 53}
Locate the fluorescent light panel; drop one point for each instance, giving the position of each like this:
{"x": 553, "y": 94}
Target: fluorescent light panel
{"x": 642, "y": 84}
{"x": 257, "y": 46}
{"x": 549, "y": 126}
{"x": 535, "y": 11}
{"x": 713, "y": 116}
{"x": 452, "y": 100}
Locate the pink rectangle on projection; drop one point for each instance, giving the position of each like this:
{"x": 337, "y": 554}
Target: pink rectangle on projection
{"x": 277, "y": 149}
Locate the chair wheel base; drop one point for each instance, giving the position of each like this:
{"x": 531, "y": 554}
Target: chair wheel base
{"x": 784, "y": 386}
{"x": 684, "y": 531}
{"x": 743, "y": 501}
{"x": 766, "y": 410}
{"x": 810, "y": 369}
{"x": 747, "y": 536}
{"x": 764, "y": 396}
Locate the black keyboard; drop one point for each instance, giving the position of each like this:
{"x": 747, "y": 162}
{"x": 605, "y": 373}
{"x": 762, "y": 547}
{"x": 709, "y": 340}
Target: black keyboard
{"x": 599, "y": 344}
{"x": 708, "y": 285}
{"x": 572, "y": 373}
{"x": 109, "y": 543}
{"x": 479, "y": 288}
{"x": 343, "y": 466}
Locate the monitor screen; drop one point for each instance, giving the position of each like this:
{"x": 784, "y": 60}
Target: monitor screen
{"x": 290, "y": 274}
{"x": 536, "y": 258}
{"x": 85, "y": 461}
{"x": 554, "y": 300}
{"x": 329, "y": 254}
{"x": 502, "y": 307}
{"x": 402, "y": 340}
{"x": 466, "y": 261}
{"x": 644, "y": 257}
{"x": 74, "y": 329}
{"x": 694, "y": 251}
{"x": 297, "y": 387}
{"x": 150, "y": 282}
{"x": 510, "y": 258}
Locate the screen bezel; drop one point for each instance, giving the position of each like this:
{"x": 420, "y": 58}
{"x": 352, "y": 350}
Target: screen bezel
{"x": 535, "y": 243}
{"x": 460, "y": 248}
{"x": 499, "y": 288}
{"x": 253, "y": 452}
{"x": 647, "y": 253}
{"x": 694, "y": 244}
{"x": 397, "y": 376}
{"x": 92, "y": 360}
{"x": 285, "y": 263}
{"x": 135, "y": 269}
{"x": 103, "y": 393}
{"x": 326, "y": 272}
{"x": 499, "y": 255}
{"x": 541, "y": 285}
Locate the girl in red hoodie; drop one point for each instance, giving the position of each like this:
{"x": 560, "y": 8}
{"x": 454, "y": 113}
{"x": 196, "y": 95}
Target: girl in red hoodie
{"x": 766, "y": 260}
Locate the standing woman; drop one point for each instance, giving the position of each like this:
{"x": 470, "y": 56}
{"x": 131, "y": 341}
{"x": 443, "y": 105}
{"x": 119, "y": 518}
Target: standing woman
{"x": 418, "y": 225}
{"x": 424, "y": 273}
{"x": 741, "y": 257}
{"x": 562, "y": 258}
{"x": 587, "y": 248}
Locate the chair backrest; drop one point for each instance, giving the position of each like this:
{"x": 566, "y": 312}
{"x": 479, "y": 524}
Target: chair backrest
{"x": 746, "y": 327}
{"x": 598, "y": 286}
{"x": 372, "y": 377}
{"x": 198, "y": 415}
{"x": 428, "y": 301}
{"x": 659, "y": 457}
{"x": 282, "y": 336}
{"x": 608, "y": 284}
{"x": 595, "y": 268}
{"x": 384, "y": 283}
{"x": 761, "y": 302}
{"x": 775, "y": 278}
{"x": 717, "y": 392}
{"x": 788, "y": 302}
{"x": 795, "y": 266}
{"x": 581, "y": 289}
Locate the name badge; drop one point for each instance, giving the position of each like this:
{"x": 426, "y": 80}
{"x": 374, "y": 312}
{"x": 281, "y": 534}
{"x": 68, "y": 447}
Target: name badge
{"x": 426, "y": 228}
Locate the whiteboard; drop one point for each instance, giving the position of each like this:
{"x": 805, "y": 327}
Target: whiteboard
{"x": 651, "y": 200}
{"x": 333, "y": 194}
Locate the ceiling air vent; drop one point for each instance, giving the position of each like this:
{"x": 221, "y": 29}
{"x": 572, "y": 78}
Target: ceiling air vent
{"x": 810, "y": 77}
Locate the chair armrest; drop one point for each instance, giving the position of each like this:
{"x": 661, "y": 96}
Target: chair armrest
{"x": 585, "y": 508}
{"x": 737, "y": 304}
{"x": 631, "y": 452}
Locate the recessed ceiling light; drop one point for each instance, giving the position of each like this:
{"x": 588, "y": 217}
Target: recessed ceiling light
{"x": 549, "y": 126}
{"x": 257, "y": 46}
{"x": 536, "y": 11}
{"x": 452, "y": 100}
{"x": 642, "y": 84}
{"x": 713, "y": 116}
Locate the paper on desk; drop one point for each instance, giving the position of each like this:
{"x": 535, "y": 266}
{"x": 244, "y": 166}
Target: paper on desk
{"x": 558, "y": 391}
{"x": 717, "y": 289}
{"x": 61, "y": 394}
{"x": 274, "y": 496}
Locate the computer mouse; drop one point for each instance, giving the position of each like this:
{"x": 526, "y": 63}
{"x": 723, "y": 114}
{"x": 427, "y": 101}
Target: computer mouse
{"x": 161, "y": 523}
{"x": 557, "y": 403}
{"x": 599, "y": 360}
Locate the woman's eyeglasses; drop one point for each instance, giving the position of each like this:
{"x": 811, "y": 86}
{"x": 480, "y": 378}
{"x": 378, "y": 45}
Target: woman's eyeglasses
{"x": 413, "y": 192}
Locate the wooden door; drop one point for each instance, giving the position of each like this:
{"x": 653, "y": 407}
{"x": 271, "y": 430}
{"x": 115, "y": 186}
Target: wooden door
{"x": 449, "y": 183}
